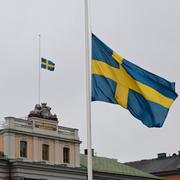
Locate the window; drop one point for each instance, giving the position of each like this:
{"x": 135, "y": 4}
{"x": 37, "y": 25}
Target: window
{"x": 66, "y": 155}
{"x": 45, "y": 152}
{"x": 23, "y": 149}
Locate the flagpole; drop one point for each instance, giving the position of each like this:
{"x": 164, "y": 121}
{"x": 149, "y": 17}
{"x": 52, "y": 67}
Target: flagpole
{"x": 39, "y": 68}
{"x": 88, "y": 91}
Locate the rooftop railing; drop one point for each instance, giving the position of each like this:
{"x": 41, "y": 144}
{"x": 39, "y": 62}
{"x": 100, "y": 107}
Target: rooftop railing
{"x": 20, "y": 124}
{"x": 65, "y": 131}
{"x": 23, "y": 123}
{"x": 2, "y": 124}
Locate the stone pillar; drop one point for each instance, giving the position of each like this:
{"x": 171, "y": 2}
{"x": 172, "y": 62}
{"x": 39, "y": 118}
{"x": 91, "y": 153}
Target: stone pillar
{"x": 12, "y": 145}
{"x": 56, "y": 152}
{"x": 35, "y": 148}
{"x": 77, "y": 155}
{"x": 9, "y": 123}
{"x": 76, "y": 134}
{"x": 9, "y": 145}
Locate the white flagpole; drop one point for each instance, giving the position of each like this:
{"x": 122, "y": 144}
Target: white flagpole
{"x": 39, "y": 67}
{"x": 88, "y": 90}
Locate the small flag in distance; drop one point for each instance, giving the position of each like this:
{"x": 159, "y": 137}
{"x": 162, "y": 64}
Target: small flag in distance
{"x": 46, "y": 64}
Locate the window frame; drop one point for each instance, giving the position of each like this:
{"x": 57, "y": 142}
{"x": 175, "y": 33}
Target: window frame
{"x": 66, "y": 146}
{"x": 66, "y": 155}
{"x": 44, "y": 153}
{"x": 45, "y": 142}
{"x": 23, "y": 139}
{"x": 22, "y": 149}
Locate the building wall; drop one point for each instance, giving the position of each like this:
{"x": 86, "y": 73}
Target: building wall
{"x": 51, "y": 143}
{"x": 170, "y": 176}
{"x": 2, "y": 178}
{"x": 18, "y": 138}
{"x": 30, "y": 141}
{"x": 36, "y": 135}
{"x": 2, "y": 144}
{"x": 52, "y": 151}
{"x": 72, "y": 152}
{"x": 53, "y": 157}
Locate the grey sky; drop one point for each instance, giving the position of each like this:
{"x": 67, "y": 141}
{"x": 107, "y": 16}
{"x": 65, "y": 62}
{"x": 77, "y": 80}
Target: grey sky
{"x": 144, "y": 32}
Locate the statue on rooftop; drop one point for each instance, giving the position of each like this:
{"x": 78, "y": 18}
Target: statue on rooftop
{"x": 42, "y": 111}
{"x": 46, "y": 111}
{"x": 37, "y": 109}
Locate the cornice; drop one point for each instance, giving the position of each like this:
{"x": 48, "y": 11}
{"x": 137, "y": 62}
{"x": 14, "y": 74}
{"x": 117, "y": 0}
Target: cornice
{"x": 39, "y": 135}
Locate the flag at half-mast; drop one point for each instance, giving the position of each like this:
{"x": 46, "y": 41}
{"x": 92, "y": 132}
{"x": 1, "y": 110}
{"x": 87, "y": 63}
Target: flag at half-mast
{"x": 46, "y": 64}
{"x": 115, "y": 80}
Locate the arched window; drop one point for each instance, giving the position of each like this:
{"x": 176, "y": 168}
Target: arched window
{"x": 23, "y": 149}
{"x": 45, "y": 152}
{"x": 66, "y": 158}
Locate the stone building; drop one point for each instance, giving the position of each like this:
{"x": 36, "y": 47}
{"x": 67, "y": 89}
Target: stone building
{"x": 38, "y": 148}
{"x": 39, "y": 138}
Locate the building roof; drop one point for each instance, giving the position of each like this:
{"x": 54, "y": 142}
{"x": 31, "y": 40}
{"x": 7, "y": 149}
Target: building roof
{"x": 103, "y": 164}
{"x": 100, "y": 164}
{"x": 160, "y": 165}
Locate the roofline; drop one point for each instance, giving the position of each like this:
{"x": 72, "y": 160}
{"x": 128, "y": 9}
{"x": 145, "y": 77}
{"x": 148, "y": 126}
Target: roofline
{"x": 40, "y": 135}
{"x": 74, "y": 170}
{"x": 129, "y": 176}
{"x": 166, "y": 172}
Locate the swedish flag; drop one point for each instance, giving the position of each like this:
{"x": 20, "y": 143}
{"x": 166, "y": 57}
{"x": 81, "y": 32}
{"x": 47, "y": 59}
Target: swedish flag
{"x": 46, "y": 64}
{"x": 115, "y": 80}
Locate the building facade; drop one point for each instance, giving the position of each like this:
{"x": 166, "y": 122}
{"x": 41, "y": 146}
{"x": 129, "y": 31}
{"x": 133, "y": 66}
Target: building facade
{"x": 37, "y": 148}
{"x": 39, "y": 138}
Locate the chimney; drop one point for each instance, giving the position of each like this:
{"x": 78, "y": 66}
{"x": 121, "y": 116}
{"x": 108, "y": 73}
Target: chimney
{"x": 161, "y": 155}
{"x": 86, "y": 152}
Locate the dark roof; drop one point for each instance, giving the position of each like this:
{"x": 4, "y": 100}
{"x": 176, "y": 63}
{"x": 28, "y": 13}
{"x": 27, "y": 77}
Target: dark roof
{"x": 99, "y": 164}
{"x": 160, "y": 165}
{"x": 103, "y": 164}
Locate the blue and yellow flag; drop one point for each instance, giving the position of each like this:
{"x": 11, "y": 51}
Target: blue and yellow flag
{"x": 115, "y": 80}
{"x": 46, "y": 64}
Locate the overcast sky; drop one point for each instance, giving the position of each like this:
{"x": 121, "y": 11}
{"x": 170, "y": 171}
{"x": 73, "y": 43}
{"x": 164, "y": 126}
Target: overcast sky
{"x": 145, "y": 32}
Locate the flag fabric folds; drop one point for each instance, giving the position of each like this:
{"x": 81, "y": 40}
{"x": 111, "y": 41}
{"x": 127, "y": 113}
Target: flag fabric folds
{"x": 46, "y": 64}
{"x": 115, "y": 80}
